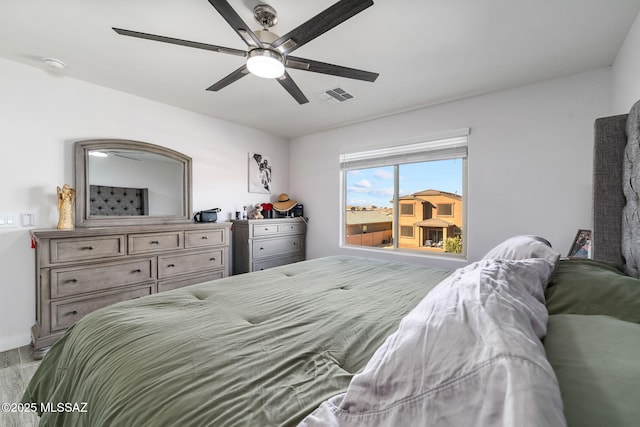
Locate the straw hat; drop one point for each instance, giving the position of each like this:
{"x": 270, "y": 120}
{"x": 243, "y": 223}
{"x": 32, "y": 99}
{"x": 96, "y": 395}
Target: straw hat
{"x": 284, "y": 204}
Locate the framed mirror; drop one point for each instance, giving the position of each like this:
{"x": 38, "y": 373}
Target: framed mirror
{"x": 122, "y": 182}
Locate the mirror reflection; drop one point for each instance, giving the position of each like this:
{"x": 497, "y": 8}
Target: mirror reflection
{"x": 131, "y": 182}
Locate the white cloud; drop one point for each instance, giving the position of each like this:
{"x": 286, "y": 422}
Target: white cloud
{"x": 363, "y": 183}
{"x": 383, "y": 174}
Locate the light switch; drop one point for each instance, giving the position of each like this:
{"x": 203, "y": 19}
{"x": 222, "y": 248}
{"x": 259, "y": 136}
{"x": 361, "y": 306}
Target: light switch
{"x": 8, "y": 220}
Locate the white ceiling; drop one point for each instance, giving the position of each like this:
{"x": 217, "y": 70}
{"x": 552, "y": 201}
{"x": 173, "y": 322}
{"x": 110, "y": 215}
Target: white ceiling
{"x": 426, "y": 51}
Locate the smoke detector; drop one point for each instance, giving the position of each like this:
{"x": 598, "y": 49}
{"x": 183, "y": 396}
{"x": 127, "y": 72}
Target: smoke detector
{"x": 54, "y": 64}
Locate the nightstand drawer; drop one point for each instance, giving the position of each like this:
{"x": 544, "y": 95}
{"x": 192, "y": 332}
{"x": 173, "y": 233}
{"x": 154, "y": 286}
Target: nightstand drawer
{"x": 276, "y": 262}
{"x": 174, "y": 265}
{"x": 80, "y": 249}
{"x": 155, "y": 242}
{"x": 264, "y": 229}
{"x": 270, "y": 247}
{"x": 78, "y": 280}
{"x": 66, "y": 313}
{"x": 200, "y": 238}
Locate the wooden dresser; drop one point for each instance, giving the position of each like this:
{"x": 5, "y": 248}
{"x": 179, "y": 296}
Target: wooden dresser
{"x": 259, "y": 244}
{"x": 81, "y": 270}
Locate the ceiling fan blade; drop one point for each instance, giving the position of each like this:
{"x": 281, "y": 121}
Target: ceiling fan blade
{"x": 238, "y": 25}
{"x": 319, "y": 24}
{"x": 180, "y": 42}
{"x": 226, "y": 81}
{"x": 334, "y": 70}
{"x": 290, "y": 86}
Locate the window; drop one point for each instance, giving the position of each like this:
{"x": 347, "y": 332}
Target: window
{"x": 407, "y": 197}
{"x": 406, "y": 209}
{"x": 445, "y": 209}
{"x": 406, "y": 231}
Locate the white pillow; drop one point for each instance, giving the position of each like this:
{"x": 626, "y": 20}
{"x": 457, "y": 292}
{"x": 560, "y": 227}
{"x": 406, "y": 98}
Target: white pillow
{"x": 524, "y": 247}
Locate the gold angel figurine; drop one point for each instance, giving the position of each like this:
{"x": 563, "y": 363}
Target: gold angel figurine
{"x": 66, "y": 197}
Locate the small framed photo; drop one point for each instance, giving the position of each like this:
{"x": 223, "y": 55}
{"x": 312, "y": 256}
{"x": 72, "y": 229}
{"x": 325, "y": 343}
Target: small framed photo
{"x": 581, "y": 246}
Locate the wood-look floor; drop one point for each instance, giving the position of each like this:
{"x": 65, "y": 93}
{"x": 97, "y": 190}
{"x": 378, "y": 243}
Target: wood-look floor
{"x": 16, "y": 368}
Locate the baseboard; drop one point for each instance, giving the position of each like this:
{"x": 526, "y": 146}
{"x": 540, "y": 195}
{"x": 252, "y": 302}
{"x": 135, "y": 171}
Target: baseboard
{"x": 14, "y": 342}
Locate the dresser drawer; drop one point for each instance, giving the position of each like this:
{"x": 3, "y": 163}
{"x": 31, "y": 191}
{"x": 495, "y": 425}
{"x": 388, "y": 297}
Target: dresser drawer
{"x": 295, "y": 227}
{"x": 167, "y": 285}
{"x": 264, "y": 229}
{"x": 78, "y": 280}
{"x": 201, "y": 238}
{"x": 155, "y": 242}
{"x": 66, "y": 313}
{"x": 174, "y": 265}
{"x": 264, "y": 248}
{"x": 80, "y": 249}
{"x": 276, "y": 262}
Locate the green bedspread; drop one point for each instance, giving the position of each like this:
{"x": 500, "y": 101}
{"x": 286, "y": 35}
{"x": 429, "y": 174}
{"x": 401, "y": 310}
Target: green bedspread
{"x": 265, "y": 349}
{"x": 261, "y": 349}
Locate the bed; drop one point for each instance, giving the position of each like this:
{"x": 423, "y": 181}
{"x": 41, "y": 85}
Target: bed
{"x": 522, "y": 337}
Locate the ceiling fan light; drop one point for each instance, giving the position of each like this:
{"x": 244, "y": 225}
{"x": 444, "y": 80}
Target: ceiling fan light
{"x": 265, "y": 63}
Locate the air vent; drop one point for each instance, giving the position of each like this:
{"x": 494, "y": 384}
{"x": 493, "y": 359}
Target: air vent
{"x": 335, "y": 95}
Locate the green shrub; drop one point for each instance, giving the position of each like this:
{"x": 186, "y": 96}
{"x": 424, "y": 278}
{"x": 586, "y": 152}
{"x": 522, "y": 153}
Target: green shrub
{"x": 453, "y": 245}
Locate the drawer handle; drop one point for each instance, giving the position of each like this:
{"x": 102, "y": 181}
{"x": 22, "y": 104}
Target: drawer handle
{"x": 212, "y": 259}
{"x": 73, "y": 280}
{"x": 205, "y": 237}
{"x": 74, "y": 312}
{"x": 155, "y": 242}
{"x": 262, "y": 249}
{"x": 294, "y": 243}
{"x": 137, "y": 270}
{"x": 87, "y": 248}
{"x": 171, "y": 265}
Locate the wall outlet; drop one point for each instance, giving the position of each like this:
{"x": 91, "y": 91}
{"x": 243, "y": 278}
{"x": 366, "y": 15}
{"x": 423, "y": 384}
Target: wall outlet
{"x": 26, "y": 220}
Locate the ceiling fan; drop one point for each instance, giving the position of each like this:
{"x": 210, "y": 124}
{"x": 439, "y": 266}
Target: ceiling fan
{"x": 268, "y": 55}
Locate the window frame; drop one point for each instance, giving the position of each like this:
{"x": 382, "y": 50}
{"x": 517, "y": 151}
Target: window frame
{"x": 437, "y": 142}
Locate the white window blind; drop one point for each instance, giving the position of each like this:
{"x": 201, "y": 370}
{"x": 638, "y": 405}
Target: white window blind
{"x": 453, "y": 146}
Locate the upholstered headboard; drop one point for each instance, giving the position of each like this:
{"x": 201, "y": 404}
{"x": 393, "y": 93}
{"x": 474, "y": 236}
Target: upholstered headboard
{"x": 118, "y": 201}
{"x": 616, "y": 183}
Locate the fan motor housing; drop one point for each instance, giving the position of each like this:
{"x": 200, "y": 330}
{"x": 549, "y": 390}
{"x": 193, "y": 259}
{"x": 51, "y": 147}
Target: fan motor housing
{"x": 265, "y": 15}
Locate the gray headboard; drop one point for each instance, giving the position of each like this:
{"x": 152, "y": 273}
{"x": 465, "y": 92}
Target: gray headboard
{"x": 616, "y": 170}
{"x": 118, "y": 201}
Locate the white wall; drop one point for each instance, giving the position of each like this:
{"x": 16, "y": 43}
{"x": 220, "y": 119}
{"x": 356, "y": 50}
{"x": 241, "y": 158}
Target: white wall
{"x": 626, "y": 71}
{"x": 530, "y": 156}
{"x": 41, "y": 115}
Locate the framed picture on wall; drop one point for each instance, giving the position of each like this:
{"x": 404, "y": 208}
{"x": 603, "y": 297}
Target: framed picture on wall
{"x": 581, "y": 246}
{"x": 259, "y": 173}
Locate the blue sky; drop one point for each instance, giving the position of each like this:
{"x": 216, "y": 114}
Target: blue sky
{"x": 367, "y": 187}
